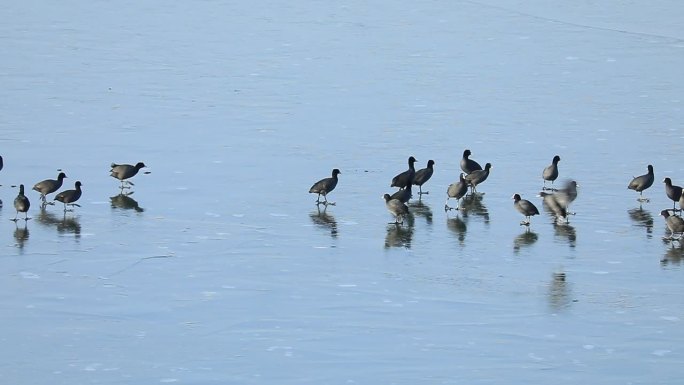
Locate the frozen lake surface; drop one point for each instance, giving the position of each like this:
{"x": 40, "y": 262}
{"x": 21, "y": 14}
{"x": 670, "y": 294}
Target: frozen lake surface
{"x": 219, "y": 269}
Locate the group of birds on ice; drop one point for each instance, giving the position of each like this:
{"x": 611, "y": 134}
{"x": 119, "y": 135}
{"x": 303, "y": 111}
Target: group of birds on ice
{"x": 45, "y": 187}
{"x": 557, "y": 200}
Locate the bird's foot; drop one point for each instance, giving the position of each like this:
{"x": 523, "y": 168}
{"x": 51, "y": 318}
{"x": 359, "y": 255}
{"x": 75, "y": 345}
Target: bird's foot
{"x": 14, "y": 219}
{"x": 423, "y": 192}
{"x": 330, "y": 203}
{"x": 641, "y": 200}
{"x": 524, "y": 223}
{"x": 74, "y": 204}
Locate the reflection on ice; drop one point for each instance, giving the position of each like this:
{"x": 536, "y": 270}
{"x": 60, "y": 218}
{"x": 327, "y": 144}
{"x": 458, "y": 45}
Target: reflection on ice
{"x": 673, "y": 254}
{"x": 472, "y": 204}
{"x": 21, "y": 235}
{"x": 525, "y": 239}
{"x": 418, "y": 208}
{"x": 642, "y": 218}
{"x": 559, "y": 292}
{"x": 458, "y": 227}
{"x": 566, "y": 232}
{"x": 399, "y": 235}
{"x": 64, "y": 224}
{"x": 324, "y": 220}
{"x": 123, "y": 201}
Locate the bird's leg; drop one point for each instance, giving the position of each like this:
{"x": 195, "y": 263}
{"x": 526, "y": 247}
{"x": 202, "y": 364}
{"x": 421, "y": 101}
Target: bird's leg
{"x": 26, "y": 218}
{"x": 326, "y": 203}
{"x": 15, "y": 217}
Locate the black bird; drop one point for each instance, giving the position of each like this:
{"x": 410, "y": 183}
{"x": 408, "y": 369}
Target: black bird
{"x": 403, "y": 195}
{"x": 567, "y": 195}
{"x": 673, "y": 192}
{"x": 641, "y": 183}
{"x": 21, "y": 204}
{"x": 48, "y": 186}
{"x": 423, "y": 175}
{"x": 674, "y": 223}
{"x": 550, "y": 172}
{"x": 525, "y": 208}
{"x": 478, "y": 176}
{"x": 469, "y": 165}
{"x": 398, "y": 209}
{"x": 125, "y": 171}
{"x": 551, "y": 203}
{"x": 456, "y": 190}
{"x": 405, "y": 178}
{"x": 324, "y": 186}
{"x": 68, "y": 197}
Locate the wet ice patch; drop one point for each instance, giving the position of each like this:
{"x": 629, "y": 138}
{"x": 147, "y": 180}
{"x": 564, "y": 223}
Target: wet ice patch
{"x": 661, "y": 352}
{"x": 670, "y": 318}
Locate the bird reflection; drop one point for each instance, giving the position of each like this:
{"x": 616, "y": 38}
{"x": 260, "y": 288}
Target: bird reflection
{"x": 559, "y": 292}
{"x": 527, "y": 238}
{"x": 123, "y": 201}
{"x": 400, "y": 236}
{"x": 64, "y": 224}
{"x": 673, "y": 254}
{"x": 324, "y": 220}
{"x": 419, "y": 208}
{"x": 473, "y": 204}
{"x": 566, "y": 232}
{"x": 458, "y": 227}
{"x": 69, "y": 225}
{"x": 21, "y": 235}
{"x": 47, "y": 218}
{"x": 642, "y": 218}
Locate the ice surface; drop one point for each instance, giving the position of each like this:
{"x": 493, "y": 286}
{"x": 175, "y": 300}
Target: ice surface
{"x": 219, "y": 269}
